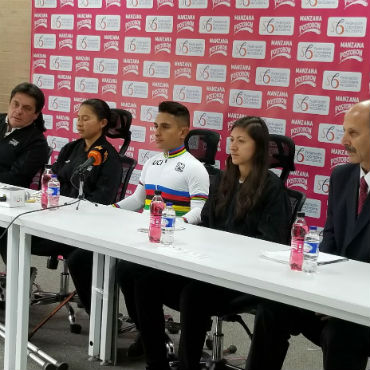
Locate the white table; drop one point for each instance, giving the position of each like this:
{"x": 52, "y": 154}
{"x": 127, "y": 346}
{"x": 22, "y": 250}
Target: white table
{"x": 213, "y": 256}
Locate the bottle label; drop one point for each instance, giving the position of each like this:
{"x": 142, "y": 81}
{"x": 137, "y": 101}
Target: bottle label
{"x": 168, "y": 222}
{"x": 297, "y": 245}
{"x": 53, "y": 191}
{"x": 311, "y": 247}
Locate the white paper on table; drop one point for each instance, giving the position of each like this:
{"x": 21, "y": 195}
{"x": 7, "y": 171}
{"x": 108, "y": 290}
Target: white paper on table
{"x": 282, "y": 256}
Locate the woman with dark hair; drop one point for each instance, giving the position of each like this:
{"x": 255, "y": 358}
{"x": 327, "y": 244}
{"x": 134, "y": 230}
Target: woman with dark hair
{"x": 247, "y": 199}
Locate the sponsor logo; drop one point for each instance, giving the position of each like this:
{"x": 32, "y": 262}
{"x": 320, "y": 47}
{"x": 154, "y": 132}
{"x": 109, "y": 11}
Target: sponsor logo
{"x": 302, "y": 128}
{"x": 59, "y": 103}
{"x": 183, "y": 69}
{"x": 109, "y": 3}
{"x": 346, "y": 26}
{"x": 56, "y": 142}
{"x": 40, "y": 21}
{"x": 193, "y": 4}
{"x": 138, "y": 133}
{"x": 281, "y": 48}
{"x": 215, "y": 94}
{"x": 48, "y": 121}
{"x": 130, "y": 66}
{"x": 298, "y": 179}
{"x": 245, "y": 98}
{"x": 277, "y": 99}
{"x": 310, "y": 156}
{"x": 319, "y": 4}
{"x": 279, "y": 3}
{"x": 313, "y": 104}
{"x": 44, "y": 41}
{"x": 180, "y": 167}
{"x": 240, "y": 72}
{"x": 82, "y": 63}
{"x": 139, "y": 4}
{"x": 315, "y": 52}
{"x": 163, "y": 45}
{"x": 133, "y": 24}
{"x": 109, "y": 85}
{"x": 43, "y": 81}
{"x": 321, "y": 184}
{"x": 209, "y": 120}
{"x": 305, "y": 76}
{"x": 135, "y": 176}
{"x": 219, "y": 46}
{"x": 185, "y": 22}
{"x": 106, "y": 66}
{"x": 252, "y": 4}
{"x": 90, "y": 4}
{"x": 283, "y": 26}
{"x": 249, "y": 49}
{"x": 312, "y": 208}
{"x": 64, "y": 82}
{"x": 148, "y": 113}
{"x": 310, "y": 23}
{"x": 134, "y": 89}
{"x": 348, "y": 3}
{"x": 111, "y": 42}
{"x": 342, "y": 81}
{"x": 62, "y": 122}
{"x": 39, "y": 61}
{"x": 211, "y": 72}
{"x": 62, "y": 21}
{"x": 86, "y": 85}
{"x": 341, "y": 157}
{"x": 351, "y": 51}
{"x": 107, "y": 22}
{"x": 188, "y": 94}
{"x": 190, "y": 47}
{"x": 216, "y": 3}
{"x": 275, "y": 125}
{"x": 64, "y": 3}
{"x": 161, "y": 3}
{"x": 343, "y": 103}
{"x": 144, "y": 155}
{"x": 156, "y": 69}
{"x": 329, "y": 133}
{"x": 213, "y": 25}
{"x": 88, "y": 43}
{"x": 272, "y": 76}
{"x": 84, "y": 21}
{"x": 245, "y": 23}
{"x": 131, "y": 107}
{"x": 65, "y": 41}
{"x": 137, "y": 45}
{"x": 160, "y": 23}
{"x": 45, "y": 3}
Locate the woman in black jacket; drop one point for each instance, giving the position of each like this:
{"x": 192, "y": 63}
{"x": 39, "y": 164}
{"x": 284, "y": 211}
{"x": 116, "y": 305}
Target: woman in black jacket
{"x": 247, "y": 199}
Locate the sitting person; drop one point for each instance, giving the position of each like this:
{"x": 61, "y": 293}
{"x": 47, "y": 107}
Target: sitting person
{"x": 100, "y": 186}
{"x": 23, "y": 147}
{"x": 183, "y": 181}
{"x": 345, "y": 345}
{"x": 248, "y": 199}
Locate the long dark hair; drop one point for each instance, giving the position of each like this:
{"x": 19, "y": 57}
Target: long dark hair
{"x": 102, "y": 111}
{"x": 250, "y": 191}
{"x": 34, "y": 92}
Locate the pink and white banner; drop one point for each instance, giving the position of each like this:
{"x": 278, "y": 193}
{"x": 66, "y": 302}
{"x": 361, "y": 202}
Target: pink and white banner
{"x": 300, "y": 64}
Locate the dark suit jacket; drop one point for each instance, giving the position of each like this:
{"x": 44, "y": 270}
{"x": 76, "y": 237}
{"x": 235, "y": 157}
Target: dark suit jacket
{"x": 22, "y": 154}
{"x": 345, "y": 234}
{"x": 269, "y": 220}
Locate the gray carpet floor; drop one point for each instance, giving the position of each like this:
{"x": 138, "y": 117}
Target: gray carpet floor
{"x": 57, "y": 341}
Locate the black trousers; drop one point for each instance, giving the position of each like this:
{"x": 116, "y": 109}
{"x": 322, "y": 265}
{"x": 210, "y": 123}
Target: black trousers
{"x": 345, "y": 345}
{"x": 196, "y": 301}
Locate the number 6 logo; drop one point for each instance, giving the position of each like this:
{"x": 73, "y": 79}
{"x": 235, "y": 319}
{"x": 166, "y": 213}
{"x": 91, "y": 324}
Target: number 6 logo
{"x": 300, "y": 155}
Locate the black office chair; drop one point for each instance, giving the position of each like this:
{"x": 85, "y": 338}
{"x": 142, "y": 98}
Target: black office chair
{"x": 281, "y": 155}
{"x": 64, "y": 296}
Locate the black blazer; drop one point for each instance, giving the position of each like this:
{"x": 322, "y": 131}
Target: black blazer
{"x": 22, "y": 154}
{"x": 345, "y": 234}
{"x": 269, "y": 220}
{"x": 101, "y": 184}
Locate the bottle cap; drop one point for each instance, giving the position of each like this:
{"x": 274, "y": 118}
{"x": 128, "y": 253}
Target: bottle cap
{"x": 157, "y": 192}
{"x": 169, "y": 204}
{"x": 53, "y": 176}
{"x": 301, "y": 214}
{"x": 47, "y": 166}
{"x": 313, "y": 227}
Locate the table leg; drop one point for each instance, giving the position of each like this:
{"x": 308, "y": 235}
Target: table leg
{"x": 96, "y": 305}
{"x": 11, "y": 297}
{"x": 23, "y": 301}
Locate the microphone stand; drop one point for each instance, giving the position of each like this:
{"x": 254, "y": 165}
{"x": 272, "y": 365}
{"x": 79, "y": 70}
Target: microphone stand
{"x": 81, "y": 195}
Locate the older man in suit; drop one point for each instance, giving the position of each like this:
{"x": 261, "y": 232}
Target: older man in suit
{"x": 345, "y": 345}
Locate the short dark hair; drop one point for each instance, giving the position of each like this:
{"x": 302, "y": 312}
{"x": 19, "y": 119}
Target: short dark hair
{"x": 33, "y": 91}
{"x": 176, "y": 109}
{"x": 102, "y": 110}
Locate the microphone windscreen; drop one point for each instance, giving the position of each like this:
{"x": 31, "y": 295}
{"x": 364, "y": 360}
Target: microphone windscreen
{"x": 99, "y": 154}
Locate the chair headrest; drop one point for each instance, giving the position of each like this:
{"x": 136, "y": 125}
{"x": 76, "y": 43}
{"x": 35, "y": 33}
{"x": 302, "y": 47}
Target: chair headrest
{"x": 122, "y": 119}
{"x": 202, "y": 144}
{"x": 281, "y": 152}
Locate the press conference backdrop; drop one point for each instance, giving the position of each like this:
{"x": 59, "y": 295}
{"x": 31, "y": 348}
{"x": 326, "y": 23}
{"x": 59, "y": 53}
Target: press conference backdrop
{"x": 300, "y": 64}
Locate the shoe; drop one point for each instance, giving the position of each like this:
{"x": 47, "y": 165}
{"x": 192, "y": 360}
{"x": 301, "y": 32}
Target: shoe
{"x": 136, "y": 349}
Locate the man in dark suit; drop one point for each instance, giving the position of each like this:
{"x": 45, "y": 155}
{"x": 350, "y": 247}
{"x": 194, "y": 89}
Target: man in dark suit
{"x": 345, "y": 345}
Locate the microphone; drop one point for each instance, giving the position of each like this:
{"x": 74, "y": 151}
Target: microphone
{"x": 95, "y": 157}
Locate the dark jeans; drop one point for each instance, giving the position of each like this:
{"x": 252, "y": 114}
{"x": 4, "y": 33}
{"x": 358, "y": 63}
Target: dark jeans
{"x": 345, "y": 345}
{"x": 196, "y": 301}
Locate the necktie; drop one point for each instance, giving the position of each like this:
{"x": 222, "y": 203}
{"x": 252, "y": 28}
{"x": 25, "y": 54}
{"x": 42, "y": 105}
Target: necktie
{"x": 362, "y": 195}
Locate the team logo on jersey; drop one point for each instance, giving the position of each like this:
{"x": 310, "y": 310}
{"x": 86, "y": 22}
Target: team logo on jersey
{"x": 180, "y": 167}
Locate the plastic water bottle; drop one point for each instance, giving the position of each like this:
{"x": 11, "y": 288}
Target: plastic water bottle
{"x": 53, "y": 191}
{"x": 311, "y": 250}
{"x": 156, "y": 208}
{"x": 299, "y": 231}
{"x": 168, "y": 225}
{"x": 45, "y": 178}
